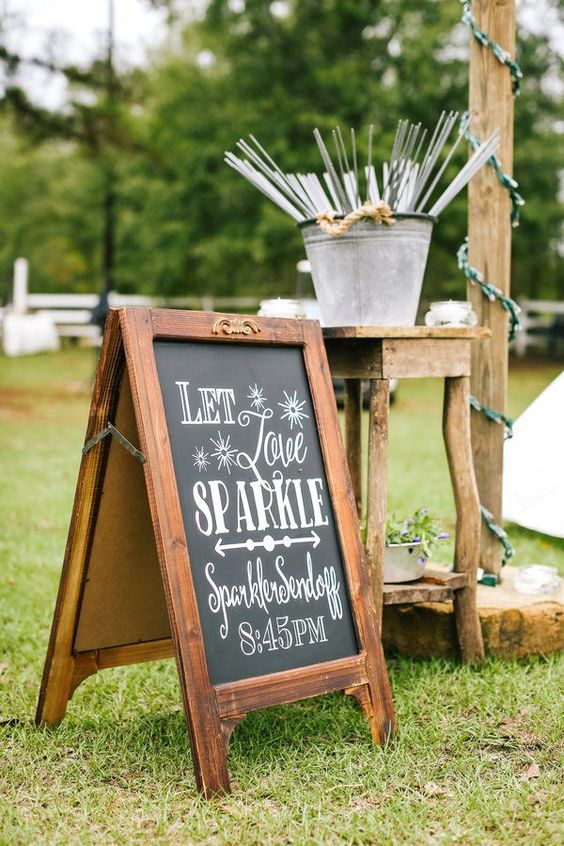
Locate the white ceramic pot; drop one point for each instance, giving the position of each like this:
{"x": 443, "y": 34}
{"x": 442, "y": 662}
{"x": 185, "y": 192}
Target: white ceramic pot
{"x": 403, "y": 562}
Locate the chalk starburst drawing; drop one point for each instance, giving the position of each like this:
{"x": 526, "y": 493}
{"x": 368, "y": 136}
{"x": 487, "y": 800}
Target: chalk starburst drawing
{"x": 201, "y": 459}
{"x": 293, "y": 410}
{"x": 224, "y": 452}
{"x": 257, "y": 397}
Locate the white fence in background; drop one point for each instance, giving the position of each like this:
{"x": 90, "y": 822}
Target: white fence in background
{"x": 71, "y": 313}
{"x": 537, "y": 324}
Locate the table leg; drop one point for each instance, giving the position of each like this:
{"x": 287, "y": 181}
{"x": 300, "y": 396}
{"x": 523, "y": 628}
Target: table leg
{"x": 456, "y": 432}
{"x": 353, "y": 418}
{"x": 377, "y": 494}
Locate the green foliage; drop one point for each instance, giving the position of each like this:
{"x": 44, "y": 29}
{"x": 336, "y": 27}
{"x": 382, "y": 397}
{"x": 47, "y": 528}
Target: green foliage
{"x": 539, "y": 148}
{"x": 118, "y": 768}
{"x": 47, "y": 195}
{"x": 422, "y": 528}
{"x": 185, "y": 222}
{"x": 278, "y": 78}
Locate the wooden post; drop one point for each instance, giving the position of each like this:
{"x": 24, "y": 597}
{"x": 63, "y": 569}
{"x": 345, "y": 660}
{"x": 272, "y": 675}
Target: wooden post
{"x": 353, "y": 440}
{"x": 19, "y": 298}
{"x": 489, "y": 231}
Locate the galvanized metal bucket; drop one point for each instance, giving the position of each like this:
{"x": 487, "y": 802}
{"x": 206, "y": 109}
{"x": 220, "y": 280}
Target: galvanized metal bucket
{"x": 372, "y": 274}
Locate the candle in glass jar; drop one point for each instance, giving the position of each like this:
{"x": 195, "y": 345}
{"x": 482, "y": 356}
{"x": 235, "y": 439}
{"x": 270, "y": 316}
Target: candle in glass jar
{"x": 451, "y": 313}
{"x": 279, "y": 307}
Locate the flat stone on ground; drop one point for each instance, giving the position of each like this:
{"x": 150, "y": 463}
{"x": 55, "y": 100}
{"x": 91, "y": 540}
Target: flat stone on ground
{"x": 514, "y": 625}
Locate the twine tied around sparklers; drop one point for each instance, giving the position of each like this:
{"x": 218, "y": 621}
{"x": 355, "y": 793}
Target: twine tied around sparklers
{"x": 378, "y": 212}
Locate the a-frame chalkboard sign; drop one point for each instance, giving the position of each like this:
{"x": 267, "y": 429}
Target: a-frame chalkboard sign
{"x": 214, "y": 522}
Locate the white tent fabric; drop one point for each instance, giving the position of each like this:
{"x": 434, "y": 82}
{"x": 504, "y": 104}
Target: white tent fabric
{"x": 533, "y": 477}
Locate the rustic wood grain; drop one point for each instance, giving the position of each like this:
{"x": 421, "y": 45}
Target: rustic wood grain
{"x": 489, "y": 231}
{"x": 398, "y": 358}
{"x": 351, "y": 332}
{"x": 383, "y": 722}
{"x": 424, "y": 358}
{"x": 200, "y": 704}
{"x": 90, "y": 662}
{"x": 57, "y": 682}
{"x": 353, "y": 436}
{"x": 440, "y": 590}
{"x": 517, "y": 627}
{"x": 377, "y": 492}
{"x": 175, "y": 324}
{"x": 354, "y": 358}
{"x": 427, "y": 355}
{"x": 228, "y": 726}
{"x": 123, "y": 599}
{"x": 456, "y": 430}
{"x": 362, "y": 696}
{"x": 301, "y": 683}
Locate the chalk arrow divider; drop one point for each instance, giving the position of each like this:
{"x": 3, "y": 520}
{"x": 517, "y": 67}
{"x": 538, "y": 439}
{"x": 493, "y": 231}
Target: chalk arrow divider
{"x": 268, "y": 543}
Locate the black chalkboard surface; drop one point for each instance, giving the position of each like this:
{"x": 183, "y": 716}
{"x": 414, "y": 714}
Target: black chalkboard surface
{"x": 263, "y": 547}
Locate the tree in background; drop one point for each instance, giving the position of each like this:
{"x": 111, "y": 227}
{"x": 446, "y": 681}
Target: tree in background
{"x": 82, "y": 142}
{"x": 44, "y": 192}
{"x": 187, "y": 224}
{"x": 278, "y": 70}
{"x": 538, "y": 245}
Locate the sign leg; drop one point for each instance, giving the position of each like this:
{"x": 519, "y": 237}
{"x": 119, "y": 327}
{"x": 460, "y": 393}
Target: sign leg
{"x": 381, "y": 729}
{"x": 209, "y": 736}
{"x": 58, "y": 675}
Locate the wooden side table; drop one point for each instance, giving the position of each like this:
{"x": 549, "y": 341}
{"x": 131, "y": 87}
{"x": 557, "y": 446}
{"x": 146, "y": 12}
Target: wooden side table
{"x": 379, "y": 354}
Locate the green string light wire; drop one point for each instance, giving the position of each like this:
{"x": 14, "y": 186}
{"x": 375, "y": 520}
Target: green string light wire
{"x": 500, "y": 534}
{"x": 494, "y": 416}
{"x": 504, "y": 179}
{"x": 501, "y": 55}
{"x": 471, "y": 273}
{"x": 492, "y": 292}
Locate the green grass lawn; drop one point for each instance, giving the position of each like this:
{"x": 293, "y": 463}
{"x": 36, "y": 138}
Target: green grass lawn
{"x": 118, "y": 769}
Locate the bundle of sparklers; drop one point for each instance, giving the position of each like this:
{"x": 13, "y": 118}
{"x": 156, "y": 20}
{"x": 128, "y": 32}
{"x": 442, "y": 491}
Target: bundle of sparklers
{"x": 410, "y": 181}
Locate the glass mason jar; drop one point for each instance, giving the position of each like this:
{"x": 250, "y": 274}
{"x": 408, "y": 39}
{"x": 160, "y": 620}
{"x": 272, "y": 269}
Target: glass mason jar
{"x": 279, "y": 307}
{"x": 451, "y": 313}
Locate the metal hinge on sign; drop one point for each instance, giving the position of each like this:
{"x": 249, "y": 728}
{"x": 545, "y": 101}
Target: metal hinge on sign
{"x": 110, "y": 429}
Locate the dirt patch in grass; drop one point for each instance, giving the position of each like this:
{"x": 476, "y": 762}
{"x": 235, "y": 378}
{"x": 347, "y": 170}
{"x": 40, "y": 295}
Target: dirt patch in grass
{"x": 23, "y": 404}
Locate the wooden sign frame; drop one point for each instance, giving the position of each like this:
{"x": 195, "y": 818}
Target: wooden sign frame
{"x": 211, "y": 711}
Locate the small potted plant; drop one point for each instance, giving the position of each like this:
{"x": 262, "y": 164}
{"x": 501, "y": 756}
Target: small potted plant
{"x": 409, "y": 544}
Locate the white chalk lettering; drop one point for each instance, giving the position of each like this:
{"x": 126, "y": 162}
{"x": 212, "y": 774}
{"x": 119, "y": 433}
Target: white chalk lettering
{"x": 199, "y": 494}
{"x": 266, "y": 593}
{"x": 244, "y": 509}
{"x": 215, "y": 405}
{"x": 317, "y": 501}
